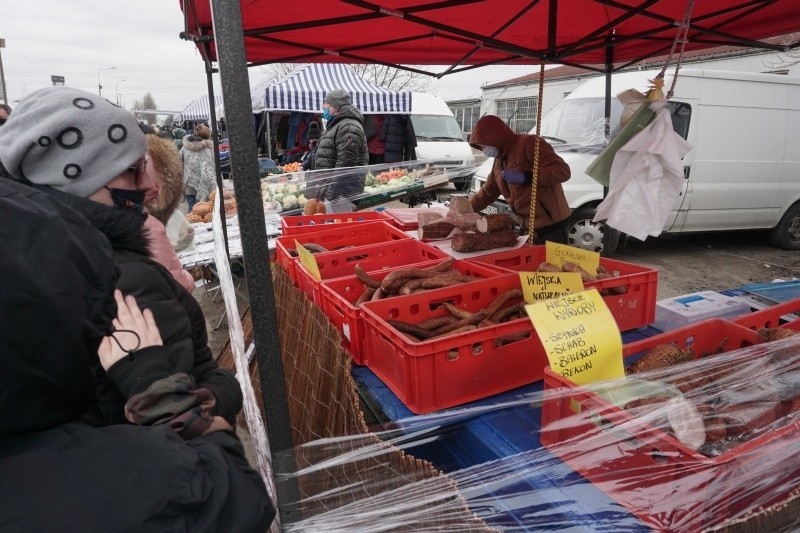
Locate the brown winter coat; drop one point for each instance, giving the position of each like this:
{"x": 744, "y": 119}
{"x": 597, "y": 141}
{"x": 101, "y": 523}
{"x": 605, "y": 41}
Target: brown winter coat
{"x": 169, "y": 168}
{"x": 516, "y": 153}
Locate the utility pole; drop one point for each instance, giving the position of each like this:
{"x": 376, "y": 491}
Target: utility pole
{"x": 99, "y": 85}
{"x": 2, "y": 75}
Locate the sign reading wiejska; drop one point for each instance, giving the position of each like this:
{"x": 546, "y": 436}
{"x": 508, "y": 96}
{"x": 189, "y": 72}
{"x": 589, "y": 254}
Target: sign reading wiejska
{"x": 580, "y": 336}
{"x": 538, "y": 286}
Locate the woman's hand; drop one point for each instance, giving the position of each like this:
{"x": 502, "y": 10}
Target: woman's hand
{"x": 134, "y": 330}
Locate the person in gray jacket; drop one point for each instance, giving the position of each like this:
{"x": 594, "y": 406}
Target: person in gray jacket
{"x": 343, "y": 144}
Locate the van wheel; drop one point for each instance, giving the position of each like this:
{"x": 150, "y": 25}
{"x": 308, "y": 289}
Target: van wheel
{"x": 786, "y": 234}
{"x": 594, "y": 236}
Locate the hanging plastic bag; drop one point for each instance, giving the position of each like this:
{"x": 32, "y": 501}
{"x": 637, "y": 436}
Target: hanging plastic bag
{"x": 645, "y": 178}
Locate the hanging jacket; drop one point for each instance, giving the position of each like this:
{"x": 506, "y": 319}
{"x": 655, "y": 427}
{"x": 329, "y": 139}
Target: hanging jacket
{"x": 516, "y": 153}
{"x": 56, "y": 473}
{"x": 178, "y": 315}
{"x": 198, "y": 166}
{"x": 344, "y": 145}
{"x": 395, "y": 138}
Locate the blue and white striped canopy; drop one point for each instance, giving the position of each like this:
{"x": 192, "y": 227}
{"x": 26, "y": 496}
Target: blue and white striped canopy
{"x": 304, "y": 89}
{"x": 198, "y": 109}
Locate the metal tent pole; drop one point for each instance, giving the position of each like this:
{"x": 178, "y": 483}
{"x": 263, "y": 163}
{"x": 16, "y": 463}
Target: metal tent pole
{"x": 212, "y": 117}
{"x": 229, "y": 41}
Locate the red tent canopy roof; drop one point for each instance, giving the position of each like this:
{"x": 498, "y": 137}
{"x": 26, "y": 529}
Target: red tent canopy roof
{"x": 482, "y": 32}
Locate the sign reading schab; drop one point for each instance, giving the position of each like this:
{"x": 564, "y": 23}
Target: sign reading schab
{"x": 580, "y": 336}
{"x": 308, "y": 260}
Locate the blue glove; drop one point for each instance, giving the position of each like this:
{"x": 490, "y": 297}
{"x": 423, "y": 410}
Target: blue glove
{"x": 515, "y": 177}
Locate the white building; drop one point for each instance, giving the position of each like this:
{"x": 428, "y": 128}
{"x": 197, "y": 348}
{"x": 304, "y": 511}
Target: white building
{"x": 515, "y": 100}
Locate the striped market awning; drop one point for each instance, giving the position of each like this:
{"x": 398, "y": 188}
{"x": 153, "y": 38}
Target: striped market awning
{"x": 198, "y": 110}
{"x": 304, "y": 89}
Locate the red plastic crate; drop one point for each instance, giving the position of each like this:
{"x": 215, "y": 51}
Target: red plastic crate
{"x": 299, "y": 224}
{"x": 373, "y": 257}
{"x": 770, "y": 317}
{"x": 455, "y": 369}
{"x": 406, "y": 219}
{"x": 635, "y": 308}
{"x": 333, "y": 238}
{"x": 662, "y": 466}
{"x": 339, "y": 295}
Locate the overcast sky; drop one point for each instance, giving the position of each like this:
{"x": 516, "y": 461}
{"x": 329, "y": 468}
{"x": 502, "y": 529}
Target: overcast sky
{"x": 140, "y": 40}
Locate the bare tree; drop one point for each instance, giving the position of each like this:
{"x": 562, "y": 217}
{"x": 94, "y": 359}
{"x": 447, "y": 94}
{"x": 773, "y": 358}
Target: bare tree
{"x": 147, "y": 102}
{"x": 388, "y": 77}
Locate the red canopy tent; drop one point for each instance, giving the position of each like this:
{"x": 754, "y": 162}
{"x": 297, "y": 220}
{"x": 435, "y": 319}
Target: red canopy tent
{"x": 473, "y": 33}
{"x": 603, "y": 35}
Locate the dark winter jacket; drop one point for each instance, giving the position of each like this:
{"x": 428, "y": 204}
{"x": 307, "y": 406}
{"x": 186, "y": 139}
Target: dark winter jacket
{"x": 344, "y": 145}
{"x": 516, "y": 153}
{"x": 178, "y": 315}
{"x": 56, "y": 473}
{"x": 400, "y": 141}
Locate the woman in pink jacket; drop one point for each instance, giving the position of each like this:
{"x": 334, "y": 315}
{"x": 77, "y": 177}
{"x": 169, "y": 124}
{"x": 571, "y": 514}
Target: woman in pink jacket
{"x": 163, "y": 192}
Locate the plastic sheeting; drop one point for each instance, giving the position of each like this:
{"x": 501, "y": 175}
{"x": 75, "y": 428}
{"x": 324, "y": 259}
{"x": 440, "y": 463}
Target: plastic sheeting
{"x": 682, "y": 448}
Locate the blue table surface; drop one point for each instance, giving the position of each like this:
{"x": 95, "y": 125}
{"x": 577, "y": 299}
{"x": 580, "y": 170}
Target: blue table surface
{"x": 557, "y": 501}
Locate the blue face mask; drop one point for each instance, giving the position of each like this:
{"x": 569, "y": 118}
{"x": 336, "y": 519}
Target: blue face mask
{"x": 490, "y": 151}
{"x": 326, "y": 114}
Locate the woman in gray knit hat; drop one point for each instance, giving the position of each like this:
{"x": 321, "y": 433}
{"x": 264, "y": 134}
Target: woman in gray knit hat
{"x": 89, "y": 154}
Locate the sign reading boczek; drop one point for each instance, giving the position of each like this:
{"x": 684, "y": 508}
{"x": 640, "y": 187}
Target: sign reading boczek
{"x": 580, "y": 336}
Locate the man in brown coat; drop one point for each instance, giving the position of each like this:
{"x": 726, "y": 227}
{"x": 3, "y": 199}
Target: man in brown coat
{"x": 512, "y": 175}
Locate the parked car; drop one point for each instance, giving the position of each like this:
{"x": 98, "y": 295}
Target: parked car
{"x": 743, "y": 172}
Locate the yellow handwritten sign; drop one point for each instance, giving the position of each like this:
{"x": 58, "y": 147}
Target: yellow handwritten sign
{"x": 580, "y": 336}
{"x": 308, "y": 260}
{"x": 558, "y": 253}
{"x": 538, "y": 286}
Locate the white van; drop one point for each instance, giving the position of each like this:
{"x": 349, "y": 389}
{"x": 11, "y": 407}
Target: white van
{"x": 742, "y": 173}
{"x": 440, "y": 140}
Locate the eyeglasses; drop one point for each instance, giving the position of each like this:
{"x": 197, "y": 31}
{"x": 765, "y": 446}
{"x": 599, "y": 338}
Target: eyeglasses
{"x": 139, "y": 168}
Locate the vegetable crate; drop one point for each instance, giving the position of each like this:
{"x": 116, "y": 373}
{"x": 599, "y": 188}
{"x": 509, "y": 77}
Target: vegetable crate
{"x": 339, "y": 296}
{"x": 455, "y": 369}
{"x": 785, "y": 315}
{"x": 299, "y": 224}
{"x": 406, "y": 219}
{"x": 333, "y": 239}
{"x": 374, "y": 257}
{"x": 665, "y": 483}
{"x": 633, "y": 309}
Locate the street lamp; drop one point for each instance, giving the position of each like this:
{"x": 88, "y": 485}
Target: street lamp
{"x": 116, "y": 90}
{"x": 99, "y": 86}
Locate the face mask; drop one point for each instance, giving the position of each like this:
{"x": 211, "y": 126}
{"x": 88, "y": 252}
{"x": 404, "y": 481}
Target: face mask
{"x": 128, "y": 198}
{"x": 491, "y": 151}
{"x": 326, "y": 114}
{"x": 2, "y": 121}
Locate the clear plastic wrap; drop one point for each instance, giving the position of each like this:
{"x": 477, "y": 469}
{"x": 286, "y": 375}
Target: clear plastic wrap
{"x": 354, "y": 188}
{"x": 705, "y": 443}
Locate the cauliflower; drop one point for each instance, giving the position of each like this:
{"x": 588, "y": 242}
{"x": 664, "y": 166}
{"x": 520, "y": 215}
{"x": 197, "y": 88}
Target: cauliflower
{"x": 277, "y": 197}
{"x": 290, "y": 189}
{"x": 301, "y": 201}
{"x": 289, "y": 201}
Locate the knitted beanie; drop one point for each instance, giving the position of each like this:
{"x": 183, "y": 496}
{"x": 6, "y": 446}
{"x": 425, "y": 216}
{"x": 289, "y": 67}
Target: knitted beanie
{"x": 71, "y": 140}
{"x": 337, "y": 98}
{"x": 313, "y": 131}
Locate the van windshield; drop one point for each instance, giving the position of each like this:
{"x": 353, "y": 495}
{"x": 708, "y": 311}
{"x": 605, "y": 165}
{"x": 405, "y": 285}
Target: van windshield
{"x": 579, "y": 121}
{"x": 432, "y": 128}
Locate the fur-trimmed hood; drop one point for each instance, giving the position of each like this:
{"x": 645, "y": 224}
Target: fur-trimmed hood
{"x": 169, "y": 167}
{"x": 196, "y": 144}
